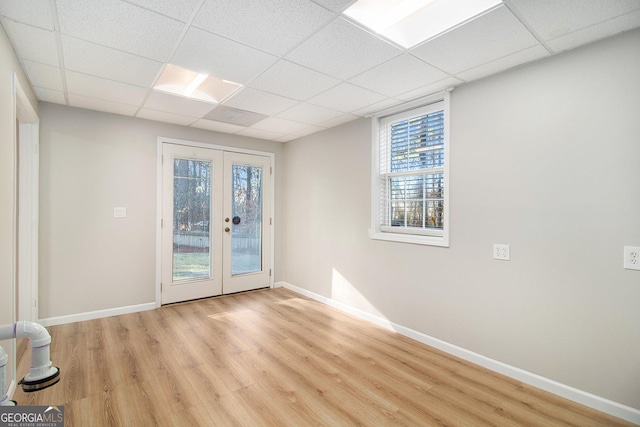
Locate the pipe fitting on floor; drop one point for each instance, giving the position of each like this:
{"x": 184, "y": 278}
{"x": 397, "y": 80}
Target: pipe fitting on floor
{"x": 37, "y": 334}
{"x": 42, "y": 373}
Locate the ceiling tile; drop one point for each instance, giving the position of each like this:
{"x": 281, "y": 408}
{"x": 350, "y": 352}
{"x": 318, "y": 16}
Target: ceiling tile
{"x": 101, "y": 61}
{"x": 286, "y": 138}
{"x": 120, "y": 25}
{"x": 275, "y": 124}
{"x": 48, "y": 95}
{"x": 494, "y": 67}
{"x": 346, "y": 98}
{"x": 260, "y": 134}
{"x": 44, "y": 76}
{"x": 374, "y": 108}
{"x": 335, "y": 5}
{"x": 309, "y": 114}
{"x": 398, "y": 75}
{"x": 293, "y": 81}
{"x": 429, "y": 89}
{"x": 274, "y": 26}
{"x": 201, "y": 51}
{"x": 553, "y": 18}
{"x": 345, "y": 118}
{"x": 595, "y": 32}
{"x": 32, "y": 12}
{"x": 176, "y": 9}
{"x": 259, "y": 102}
{"x": 108, "y": 90}
{"x": 161, "y": 116}
{"x": 342, "y": 50}
{"x": 307, "y": 131}
{"x": 81, "y": 101}
{"x": 31, "y": 43}
{"x": 489, "y": 37}
{"x": 174, "y": 104}
{"x": 217, "y": 126}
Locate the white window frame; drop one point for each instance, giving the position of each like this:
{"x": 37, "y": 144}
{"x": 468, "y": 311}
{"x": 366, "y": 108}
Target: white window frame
{"x": 405, "y": 235}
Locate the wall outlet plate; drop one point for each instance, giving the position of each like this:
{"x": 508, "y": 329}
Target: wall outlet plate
{"x": 501, "y": 252}
{"x": 119, "y": 212}
{"x": 632, "y": 257}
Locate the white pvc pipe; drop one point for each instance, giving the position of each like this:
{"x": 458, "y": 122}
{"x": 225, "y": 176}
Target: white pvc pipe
{"x": 3, "y": 375}
{"x": 41, "y": 366}
{"x": 36, "y": 333}
{"x": 7, "y": 331}
{"x": 4, "y": 397}
{"x": 39, "y": 339}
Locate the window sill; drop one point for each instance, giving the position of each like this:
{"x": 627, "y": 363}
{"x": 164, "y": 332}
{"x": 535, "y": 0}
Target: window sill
{"x": 441, "y": 241}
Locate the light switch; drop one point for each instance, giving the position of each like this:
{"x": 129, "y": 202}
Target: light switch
{"x": 120, "y": 212}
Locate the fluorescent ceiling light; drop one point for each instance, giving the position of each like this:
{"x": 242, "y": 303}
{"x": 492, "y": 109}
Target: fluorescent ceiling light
{"x": 180, "y": 81}
{"x": 409, "y": 22}
{"x": 195, "y": 83}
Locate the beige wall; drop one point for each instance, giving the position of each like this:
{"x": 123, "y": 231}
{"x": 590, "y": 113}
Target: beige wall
{"x": 545, "y": 158}
{"x": 8, "y": 66}
{"x": 91, "y": 162}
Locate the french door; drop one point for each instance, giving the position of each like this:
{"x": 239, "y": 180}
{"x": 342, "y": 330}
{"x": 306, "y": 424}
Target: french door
{"x": 215, "y": 222}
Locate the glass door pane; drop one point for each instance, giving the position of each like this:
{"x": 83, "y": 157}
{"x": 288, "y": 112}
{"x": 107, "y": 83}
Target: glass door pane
{"x": 246, "y": 251}
{"x": 191, "y": 219}
{"x": 191, "y": 227}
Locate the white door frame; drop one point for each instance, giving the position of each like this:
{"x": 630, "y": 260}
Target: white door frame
{"x": 162, "y": 140}
{"x": 27, "y": 145}
{"x": 24, "y": 263}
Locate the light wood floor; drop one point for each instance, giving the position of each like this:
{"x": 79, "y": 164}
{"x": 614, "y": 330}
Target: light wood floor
{"x": 275, "y": 358}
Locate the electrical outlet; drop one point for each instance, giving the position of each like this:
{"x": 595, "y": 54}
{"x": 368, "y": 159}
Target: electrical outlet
{"x": 501, "y": 252}
{"x": 632, "y": 257}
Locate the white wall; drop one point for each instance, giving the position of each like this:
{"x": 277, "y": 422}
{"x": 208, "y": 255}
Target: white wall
{"x": 8, "y": 66}
{"x": 91, "y": 162}
{"x": 545, "y": 158}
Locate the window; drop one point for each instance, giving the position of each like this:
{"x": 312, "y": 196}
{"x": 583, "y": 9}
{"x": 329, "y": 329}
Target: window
{"x": 410, "y": 174}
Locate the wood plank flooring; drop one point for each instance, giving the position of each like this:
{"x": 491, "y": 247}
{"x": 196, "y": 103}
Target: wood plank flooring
{"x": 275, "y": 358}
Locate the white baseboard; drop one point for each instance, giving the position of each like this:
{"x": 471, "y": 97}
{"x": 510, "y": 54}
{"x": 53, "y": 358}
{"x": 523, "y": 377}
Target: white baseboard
{"x": 98, "y": 314}
{"x": 587, "y": 399}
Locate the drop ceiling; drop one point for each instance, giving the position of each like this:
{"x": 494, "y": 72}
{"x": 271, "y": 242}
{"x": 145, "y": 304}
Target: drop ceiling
{"x": 303, "y": 65}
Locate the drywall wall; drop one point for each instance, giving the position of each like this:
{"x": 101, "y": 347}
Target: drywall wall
{"x": 8, "y": 66}
{"x": 546, "y": 158}
{"x": 90, "y": 163}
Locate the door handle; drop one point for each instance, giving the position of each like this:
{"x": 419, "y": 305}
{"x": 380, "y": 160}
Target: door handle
{"x": 227, "y": 229}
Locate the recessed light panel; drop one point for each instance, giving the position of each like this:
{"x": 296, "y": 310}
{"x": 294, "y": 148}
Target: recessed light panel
{"x": 180, "y": 81}
{"x": 409, "y": 22}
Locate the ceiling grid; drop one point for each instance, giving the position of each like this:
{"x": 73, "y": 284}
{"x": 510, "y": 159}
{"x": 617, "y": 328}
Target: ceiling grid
{"x": 303, "y": 64}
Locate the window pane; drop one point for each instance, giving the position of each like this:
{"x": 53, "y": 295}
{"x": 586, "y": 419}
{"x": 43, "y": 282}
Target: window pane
{"x": 417, "y": 143}
{"x": 417, "y": 201}
{"x": 435, "y": 210}
{"x": 415, "y": 214}
{"x": 246, "y": 251}
{"x": 397, "y": 213}
{"x": 191, "y": 215}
